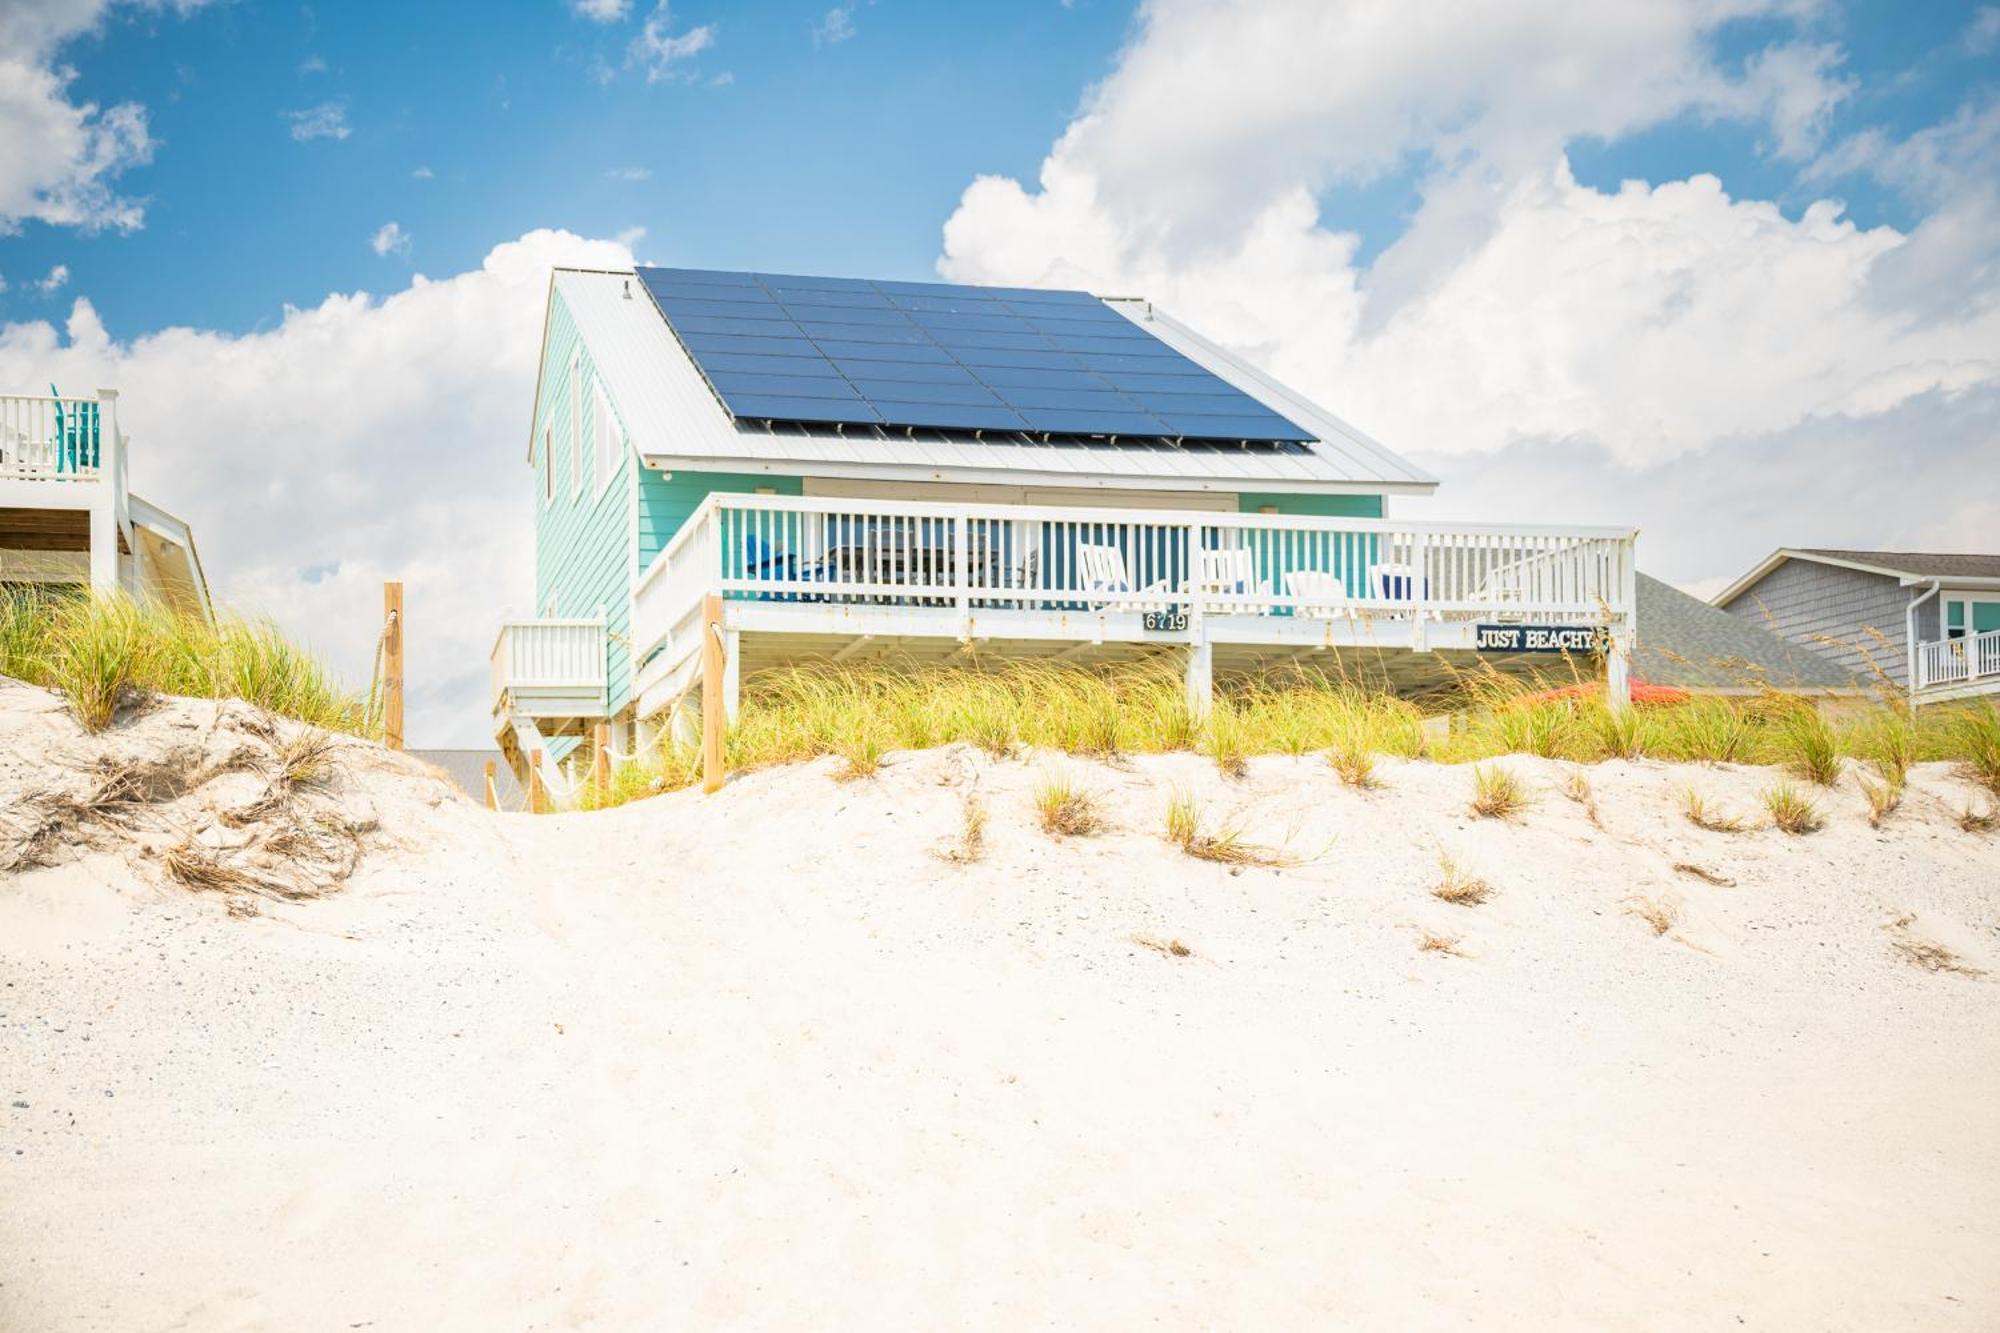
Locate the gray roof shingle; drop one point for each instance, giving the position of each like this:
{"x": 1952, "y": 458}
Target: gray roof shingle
{"x": 1916, "y": 564}
{"x": 1685, "y": 642}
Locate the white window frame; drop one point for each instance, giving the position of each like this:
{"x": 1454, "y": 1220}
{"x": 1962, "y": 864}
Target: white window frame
{"x": 576, "y": 427}
{"x": 1967, "y": 600}
{"x": 606, "y": 437}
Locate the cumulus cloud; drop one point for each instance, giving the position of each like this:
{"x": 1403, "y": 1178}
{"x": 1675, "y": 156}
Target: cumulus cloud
{"x": 60, "y": 159}
{"x": 390, "y": 238}
{"x": 1520, "y": 315}
{"x": 291, "y": 452}
{"x": 54, "y": 281}
{"x": 661, "y": 52}
{"x": 602, "y": 11}
{"x": 328, "y": 120}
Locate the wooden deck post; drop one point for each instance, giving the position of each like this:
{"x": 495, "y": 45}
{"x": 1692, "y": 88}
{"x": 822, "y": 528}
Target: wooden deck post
{"x": 600, "y": 762}
{"x": 714, "y": 711}
{"x": 538, "y": 792}
{"x": 392, "y": 665}
{"x": 492, "y": 791}
{"x": 1618, "y": 673}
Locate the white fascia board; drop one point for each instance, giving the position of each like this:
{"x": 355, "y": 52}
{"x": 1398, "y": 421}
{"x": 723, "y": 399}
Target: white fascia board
{"x": 1020, "y": 477}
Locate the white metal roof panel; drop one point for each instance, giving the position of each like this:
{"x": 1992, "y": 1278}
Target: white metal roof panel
{"x": 675, "y": 421}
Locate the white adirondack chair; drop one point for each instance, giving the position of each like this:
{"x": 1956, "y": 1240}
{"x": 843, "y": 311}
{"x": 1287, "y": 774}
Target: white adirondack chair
{"x": 1102, "y": 569}
{"x": 1321, "y": 595}
{"x": 1230, "y": 572}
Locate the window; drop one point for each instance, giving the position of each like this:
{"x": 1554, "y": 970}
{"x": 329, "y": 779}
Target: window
{"x": 548, "y": 463}
{"x": 1963, "y": 613}
{"x": 576, "y": 428}
{"x": 605, "y": 438}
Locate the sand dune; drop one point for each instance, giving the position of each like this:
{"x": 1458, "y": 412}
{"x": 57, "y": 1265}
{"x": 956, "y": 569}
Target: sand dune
{"x": 767, "y": 1060}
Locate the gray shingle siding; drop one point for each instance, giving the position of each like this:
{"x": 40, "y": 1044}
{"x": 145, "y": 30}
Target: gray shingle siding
{"x": 1833, "y": 610}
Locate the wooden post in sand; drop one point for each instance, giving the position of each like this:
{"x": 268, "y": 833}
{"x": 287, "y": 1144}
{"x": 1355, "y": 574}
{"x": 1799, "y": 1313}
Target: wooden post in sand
{"x": 538, "y": 792}
{"x": 492, "y": 792}
{"x": 712, "y": 706}
{"x": 392, "y": 665}
{"x": 600, "y": 763}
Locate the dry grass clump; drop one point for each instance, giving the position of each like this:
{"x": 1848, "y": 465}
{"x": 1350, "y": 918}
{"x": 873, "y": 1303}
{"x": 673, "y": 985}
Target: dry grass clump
{"x": 1883, "y": 796}
{"x": 1791, "y": 810}
{"x": 1703, "y": 874}
{"x": 1065, "y": 810}
{"x": 1497, "y": 793}
{"x": 1226, "y": 846}
{"x": 1431, "y": 941}
{"x": 1172, "y": 948}
{"x": 106, "y": 652}
{"x": 1696, "y": 808}
{"x": 1927, "y": 954}
{"x": 970, "y": 844}
{"x": 1457, "y": 886}
{"x": 1658, "y": 913}
{"x": 1978, "y": 821}
{"x": 1354, "y": 763}
{"x": 1576, "y": 787}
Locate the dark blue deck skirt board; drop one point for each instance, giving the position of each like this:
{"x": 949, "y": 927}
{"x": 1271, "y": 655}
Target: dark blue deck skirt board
{"x": 793, "y": 349}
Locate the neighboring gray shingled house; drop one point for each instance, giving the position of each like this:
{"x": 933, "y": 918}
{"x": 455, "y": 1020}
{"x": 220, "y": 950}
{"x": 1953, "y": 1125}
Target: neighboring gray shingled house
{"x": 1685, "y": 642}
{"x": 1928, "y": 621}
{"x": 467, "y": 768}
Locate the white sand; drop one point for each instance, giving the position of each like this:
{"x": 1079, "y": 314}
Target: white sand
{"x": 762, "y": 1060}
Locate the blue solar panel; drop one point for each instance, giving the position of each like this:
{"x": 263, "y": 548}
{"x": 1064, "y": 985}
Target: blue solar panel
{"x": 848, "y": 351}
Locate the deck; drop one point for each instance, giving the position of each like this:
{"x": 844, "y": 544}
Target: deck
{"x": 807, "y": 577}
{"x": 1957, "y": 668}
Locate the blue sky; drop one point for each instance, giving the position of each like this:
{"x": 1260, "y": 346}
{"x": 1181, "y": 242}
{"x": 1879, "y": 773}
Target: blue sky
{"x": 773, "y": 148}
{"x": 1726, "y": 270}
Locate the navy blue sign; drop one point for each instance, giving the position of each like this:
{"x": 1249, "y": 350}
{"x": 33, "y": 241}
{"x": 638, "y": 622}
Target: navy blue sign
{"x": 1580, "y": 640}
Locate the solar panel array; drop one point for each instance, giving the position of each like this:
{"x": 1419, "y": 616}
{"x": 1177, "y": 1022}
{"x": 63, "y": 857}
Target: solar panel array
{"x": 851, "y": 352}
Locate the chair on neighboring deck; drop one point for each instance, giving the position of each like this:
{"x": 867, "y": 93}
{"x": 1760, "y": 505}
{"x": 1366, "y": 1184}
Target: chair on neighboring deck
{"x": 1103, "y": 570}
{"x": 1229, "y": 572}
{"x": 1321, "y": 596}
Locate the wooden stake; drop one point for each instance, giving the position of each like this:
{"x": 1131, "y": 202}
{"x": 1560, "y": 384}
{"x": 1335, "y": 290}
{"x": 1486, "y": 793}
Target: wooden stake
{"x": 492, "y": 791}
{"x": 538, "y": 792}
{"x": 392, "y": 665}
{"x": 600, "y": 764}
{"x": 712, "y": 718}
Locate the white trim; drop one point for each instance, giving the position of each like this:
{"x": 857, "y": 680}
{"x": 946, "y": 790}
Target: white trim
{"x": 1019, "y": 477}
{"x": 1903, "y": 577}
{"x": 575, "y": 425}
{"x": 548, "y": 464}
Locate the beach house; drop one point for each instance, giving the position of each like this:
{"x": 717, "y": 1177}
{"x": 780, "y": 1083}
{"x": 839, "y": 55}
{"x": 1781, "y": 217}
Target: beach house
{"x": 67, "y": 518}
{"x": 1927, "y": 622}
{"x": 928, "y": 471}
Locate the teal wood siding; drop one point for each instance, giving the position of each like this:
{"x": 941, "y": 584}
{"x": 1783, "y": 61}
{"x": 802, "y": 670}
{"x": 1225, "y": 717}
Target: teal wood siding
{"x": 1316, "y": 506}
{"x": 666, "y": 501}
{"x": 583, "y": 538}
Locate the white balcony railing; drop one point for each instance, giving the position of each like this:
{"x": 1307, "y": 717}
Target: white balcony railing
{"x": 52, "y": 438}
{"x": 1962, "y": 661}
{"x": 978, "y": 560}
{"x": 563, "y": 659}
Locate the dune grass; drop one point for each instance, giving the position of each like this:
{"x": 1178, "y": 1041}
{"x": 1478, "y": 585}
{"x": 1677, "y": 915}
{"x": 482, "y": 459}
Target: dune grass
{"x": 862, "y": 713}
{"x": 1791, "y": 810}
{"x": 1065, "y": 809}
{"x": 103, "y": 652}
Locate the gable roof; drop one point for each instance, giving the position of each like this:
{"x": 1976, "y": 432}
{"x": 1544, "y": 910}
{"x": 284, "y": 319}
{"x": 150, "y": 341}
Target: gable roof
{"x": 1904, "y": 566}
{"x": 1686, "y": 642}
{"x": 675, "y": 421}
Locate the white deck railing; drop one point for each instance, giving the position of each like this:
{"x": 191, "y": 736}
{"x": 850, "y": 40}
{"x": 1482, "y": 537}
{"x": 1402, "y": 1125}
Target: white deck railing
{"x": 1963, "y": 661}
{"x": 51, "y": 438}
{"x": 978, "y": 559}
{"x": 549, "y": 655}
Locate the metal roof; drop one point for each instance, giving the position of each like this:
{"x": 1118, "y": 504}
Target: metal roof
{"x": 1908, "y": 567}
{"x": 675, "y": 421}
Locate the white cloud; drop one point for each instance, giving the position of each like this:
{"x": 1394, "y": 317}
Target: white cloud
{"x": 289, "y": 450}
{"x": 1983, "y": 33}
{"x": 56, "y": 279}
{"x": 312, "y": 65}
{"x": 390, "y": 238}
{"x": 837, "y": 26}
{"x": 629, "y": 173}
{"x": 422, "y": 174}
{"x": 602, "y": 11}
{"x": 328, "y": 120}
{"x": 60, "y": 159}
{"x": 1520, "y": 312}
{"x": 661, "y": 52}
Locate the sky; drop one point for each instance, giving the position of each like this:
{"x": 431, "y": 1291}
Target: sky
{"x": 1726, "y": 270}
